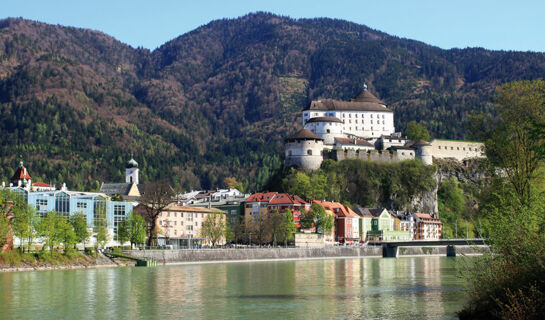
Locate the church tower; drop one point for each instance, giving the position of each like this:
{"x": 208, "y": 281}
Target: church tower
{"x": 131, "y": 172}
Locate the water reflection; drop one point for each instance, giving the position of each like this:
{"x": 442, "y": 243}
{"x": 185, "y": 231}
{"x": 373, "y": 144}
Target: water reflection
{"x": 417, "y": 287}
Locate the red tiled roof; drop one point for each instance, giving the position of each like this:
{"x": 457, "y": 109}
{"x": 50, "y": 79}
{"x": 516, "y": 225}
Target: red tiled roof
{"x": 275, "y": 198}
{"x": 339, "y": 209}
{"x": 426, "y": 216}
{"x": 20, "y": 174}
{"x": 41, "y": 184}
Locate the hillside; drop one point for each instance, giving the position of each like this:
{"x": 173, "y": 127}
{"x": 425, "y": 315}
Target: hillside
{"x": 219, "y": 100}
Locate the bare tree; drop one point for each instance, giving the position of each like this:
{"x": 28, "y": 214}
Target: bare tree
{"x": 157, "y": 196}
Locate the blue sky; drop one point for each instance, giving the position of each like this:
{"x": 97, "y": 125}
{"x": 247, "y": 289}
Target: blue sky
{"x": 501, "y": 25}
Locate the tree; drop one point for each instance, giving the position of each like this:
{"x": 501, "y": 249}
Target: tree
{"x": 79, "y": 223}
{"x": 417, "y": 131}
{"x": 157, "y": 197}
{"x": 307, "y": 219}
{"x": 288, "y": 227}
{"x": 66, "y": 233}
{"x": 275, "y": 225}
{"x": 24, "y": 223}
{"x": 123, "y": 231}
{"x": 100, "y": 226}
{"x": 516, "y": 143}
{"x": 4, "y": 230}
{"x": 50, "y": 229}
{"x": 324, "y": 222}
{"x": 137, "y": 228}
{"x": 213, "y": 227}
{"x": 11, "y": 204}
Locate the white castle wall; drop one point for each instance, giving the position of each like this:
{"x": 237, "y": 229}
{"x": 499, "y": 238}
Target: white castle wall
{"x": 306, "y": 154}
{"x": 458, "y": 150}
{"x": 326, "y": 130}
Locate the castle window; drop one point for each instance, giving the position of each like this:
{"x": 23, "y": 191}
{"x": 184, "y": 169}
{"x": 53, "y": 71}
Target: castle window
{"x": 328, "y": 131}
{"x": 309, "y": 152}
{"x": 439, "y": 147}
{"x": 371, "y": 116}
{"x": 464, "y": 148}
{"x": 371, "y": 121}
{"x": 289, "y": 153}
{"x": 458, "y": 148}
{"x": 451, "y": 148}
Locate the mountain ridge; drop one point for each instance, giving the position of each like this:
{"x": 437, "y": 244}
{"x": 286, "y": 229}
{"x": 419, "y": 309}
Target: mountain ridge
{"x": 219, "y": 100}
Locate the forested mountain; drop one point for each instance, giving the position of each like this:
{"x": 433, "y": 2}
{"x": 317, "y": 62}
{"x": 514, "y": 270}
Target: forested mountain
{"x": 217, "y": 101}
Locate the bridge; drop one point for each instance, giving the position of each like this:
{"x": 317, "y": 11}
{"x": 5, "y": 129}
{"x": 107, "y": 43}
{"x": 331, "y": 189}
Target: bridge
{"x": 391, "y": 249}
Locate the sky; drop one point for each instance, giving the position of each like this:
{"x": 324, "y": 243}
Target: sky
{"x": 492, "y": 24}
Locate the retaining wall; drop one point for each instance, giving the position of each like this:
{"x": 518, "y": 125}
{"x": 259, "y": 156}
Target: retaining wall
{"x": 201, "y": 255}
{"x": 440, "y": 250}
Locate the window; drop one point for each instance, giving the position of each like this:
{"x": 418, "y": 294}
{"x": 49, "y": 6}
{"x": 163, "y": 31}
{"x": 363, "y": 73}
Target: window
{"x": 439, "y": 147}
{"x": 309, "y": 152}
{"x": 289, "y": 153}
{"x": 175, "y": 222}
{"x": 189, "y": 227}
{"x": 168, "y": 214}
{"x": 175, "y": 233}
{"x": 62, "y": 204}
{"x": 41, "y": 206}
{"x": 119, "y": 210}
{"x": 451, "y": 148}
{"x": 81, "y": 205}
{"x": 328, "y": 131}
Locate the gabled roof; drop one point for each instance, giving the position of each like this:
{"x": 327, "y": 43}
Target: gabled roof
{"x": 303, "y": 134}
{"x": 421, "y": 143}
{"x": 364, "y": 101}
{"x": 116, "y": 188}
{"x": 275, "y": 198}
{"x": 354, "y": 142}
{"x": 337, "y": 208}
{"x": 21, "y": 173}
{"x": 261, "y": 197}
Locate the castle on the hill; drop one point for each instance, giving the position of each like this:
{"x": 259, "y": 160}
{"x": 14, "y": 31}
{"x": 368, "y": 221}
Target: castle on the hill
{"x": 363, "y": 128}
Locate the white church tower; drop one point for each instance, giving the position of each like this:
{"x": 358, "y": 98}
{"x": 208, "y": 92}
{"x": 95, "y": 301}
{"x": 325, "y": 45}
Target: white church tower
{"x": 131, "y": 172}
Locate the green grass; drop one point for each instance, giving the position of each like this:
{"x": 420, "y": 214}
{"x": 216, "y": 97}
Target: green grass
{"x": 17, "y": 258}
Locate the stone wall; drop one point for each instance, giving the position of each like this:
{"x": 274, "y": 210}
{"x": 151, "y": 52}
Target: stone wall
{"x": 440, "y": 251}
{"x": 203, "y": 255}
{"x": 303, "y": 240}
{"x": 456, "y": 149}
{"x": 373, "y": 155}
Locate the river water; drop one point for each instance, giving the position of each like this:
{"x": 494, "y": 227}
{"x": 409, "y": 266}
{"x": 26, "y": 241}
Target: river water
{"x": 368, "y": 288}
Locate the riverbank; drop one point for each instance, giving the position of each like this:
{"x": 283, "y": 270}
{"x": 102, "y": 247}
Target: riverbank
{"x": 32, "y": 262}
{"x": 190, "y": 256}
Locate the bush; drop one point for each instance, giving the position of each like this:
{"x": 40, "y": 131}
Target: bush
{"x": 90, "y": 251}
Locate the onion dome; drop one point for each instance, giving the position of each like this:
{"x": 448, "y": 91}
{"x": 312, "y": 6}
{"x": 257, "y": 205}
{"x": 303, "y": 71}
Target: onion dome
{"x": 131, "y": 164}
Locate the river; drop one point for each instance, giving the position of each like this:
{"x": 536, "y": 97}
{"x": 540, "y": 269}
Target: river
{"x": 368, "y": 288}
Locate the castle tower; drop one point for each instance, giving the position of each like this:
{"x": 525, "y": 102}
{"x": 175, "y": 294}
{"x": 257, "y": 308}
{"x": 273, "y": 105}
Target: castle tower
{"x": 304, "y": 150}
{"x": 21, "y": 178}
{"x": 327, "y": 128}
{"x": 423, "y": 151}
{"x": 131, "y": 172}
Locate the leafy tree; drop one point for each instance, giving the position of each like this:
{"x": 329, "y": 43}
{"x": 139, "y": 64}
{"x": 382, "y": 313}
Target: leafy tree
{"x": 213, "y": 227}
{"x": 275, "y": 224}
{"x": 307, "y": 219}
{"x": 417, "y": 131}
{"x": 100, "y": 226}
{"x": 79, "y": 223}
{"x": 51, "y": 230}
{"x": 137, "y": 228}
{"x": 515, "y": 144}
{"x": 24, "y": 224}
{"x": 4, "y": 230}
{"x": 324, "y": 221}
{"x": 66, "y": 234}
{"x": 123, "y": 231}
{"x": 288, "y": 227}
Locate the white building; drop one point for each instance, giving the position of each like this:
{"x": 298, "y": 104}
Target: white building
{"x": 363, "y": 116}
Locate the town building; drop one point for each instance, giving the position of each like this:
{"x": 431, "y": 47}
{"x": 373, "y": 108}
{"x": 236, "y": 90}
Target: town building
{"x": 128, "y": 190}
{"x": 229, "y": 200}
{"x": 347, "y": 227}
{"x": 425, "y": 227}
{"x": 379, "y": 225}
{"x": 180, "y": 226}
{"x": 265, "y": 202}
{"x": 93, "y": 205}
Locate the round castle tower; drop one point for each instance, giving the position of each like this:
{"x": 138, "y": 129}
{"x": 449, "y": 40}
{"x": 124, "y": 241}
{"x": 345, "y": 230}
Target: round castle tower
{"x": 423, "y": 151}
{"x": 304, "y": 150}
{"x": 328, "y": 128}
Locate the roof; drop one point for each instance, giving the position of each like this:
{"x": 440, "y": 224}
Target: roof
{"x": 21, "y": 173}
{"x": 131, "y": 164}
{"x": 364, "y": 101}
{"x": 115, "y": 188}
{"x": 337, "y": 208}
{"x": 425, "y": 216}
{"x": 324, "y": 119}
{"x": 377, "y": 212}
{"x": 303, "y": 134}
{"x": 176, "y": 207}
{"x": 355, "y": 142}
{"x": 275, "y": 198}
{"x": 41, "y": 184}
{"x": 420, "y": 143}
